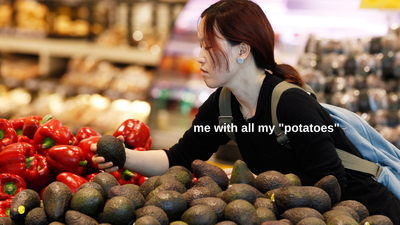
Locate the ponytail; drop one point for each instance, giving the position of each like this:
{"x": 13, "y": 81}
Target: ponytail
{"x": 287, "y": 73}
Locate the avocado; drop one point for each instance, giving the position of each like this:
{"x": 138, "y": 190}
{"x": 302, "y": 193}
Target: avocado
{"x": 294, "y": 179}
{"x": 56, "y": 200}
{"x": 299, "y": 213}
{"x": 302, "y": 196}
{"x": 173, "y": 185}
{"x": 6, "y": 220}
{"x": 311, "y": 221}
{"x": 148, "y": 186}
{"x": 270, "y": 180}
{"x": 265, "y": 214}
{"x": 331, "y": 186}
{"x": 241, "y": 174}
{"x": 361, "y": 210}
{"x": 240, "y": 191}
{"x": 278, "y": 222}
{"x": 206, "y": 181}
{"x": 165, "y": 178}
{"x": 112, "y": 150}
{"x": 216, "y": 203}
{"x": 340, "y": 219}
{"x": 106, "y": 181}
{"x": 172, "y": 202}
{"x": 36, "y": 216}
{"x": 182, "y": 174}
{"x": 199, "y": 215}
{"x": 130, "y": 191}
{"x": 267, "y": 203}
{"x": 178, "y": 223}
{"x": 196, "y": 193}
{"x": 377, "y": 220}
{"x": 335, "y": 212}
{"x": 118, "y": 210}
{"x": 95, "y": 186}
{"x": 241, "y": 212}
{"x": 73, "y": 217}
{"x": 201, "y": 168}
{"x": 88, "y": 201}
{"x": 23, "y": 202}
{"x": 349, "y": 210}
{"x": 226, "y": 222}
{"x": 56, "y": 223}
{"x": 147, "y": 220}
{"x": 153, "y": 211}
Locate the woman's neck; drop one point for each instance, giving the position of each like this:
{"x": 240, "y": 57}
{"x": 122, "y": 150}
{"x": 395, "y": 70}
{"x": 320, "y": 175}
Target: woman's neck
{"x": 247, "y": 90}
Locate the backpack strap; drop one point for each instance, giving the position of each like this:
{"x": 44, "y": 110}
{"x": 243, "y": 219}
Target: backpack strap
{"x": 225, "y": 111}
{"x": 281, "y": 137}
{"x": 349, "y": 160}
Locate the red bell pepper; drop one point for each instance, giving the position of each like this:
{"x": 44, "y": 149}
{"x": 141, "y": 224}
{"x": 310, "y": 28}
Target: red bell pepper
{"x": 135, "y": 132}
{"x": 125, "y": 176}
{"x": 18, "y": 158}
{"x": 73, "y": 181}
{"x": 66, "y": 158}
{"x": 10, "y": 185}
{"x": 32, "y": 124}
{"x": 148, "y": 144}
{"x": 18, "y": 124}
{"x": 86, "y": 132}
{"x": 140, "y": 149}
{"x": 90, "y": 177}
{"x": 5, "y": 207}
{"x": 50, "y": 134}
{"x": 23, "y": 138}
{"x": 8, "y": 135}
{"x": 142, "y": 180}
{"x": 85, "y": 146}
{"x": 44, "y": 175}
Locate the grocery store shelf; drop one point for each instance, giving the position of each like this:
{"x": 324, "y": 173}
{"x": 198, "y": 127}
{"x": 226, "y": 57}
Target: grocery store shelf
{"x": 78, "y": 48}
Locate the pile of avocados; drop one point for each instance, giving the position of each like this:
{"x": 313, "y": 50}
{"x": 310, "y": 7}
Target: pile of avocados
{"x": 174, "y": 198}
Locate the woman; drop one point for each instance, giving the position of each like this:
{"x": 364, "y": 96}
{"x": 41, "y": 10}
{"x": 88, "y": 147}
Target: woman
{"x": 237, "y": 52}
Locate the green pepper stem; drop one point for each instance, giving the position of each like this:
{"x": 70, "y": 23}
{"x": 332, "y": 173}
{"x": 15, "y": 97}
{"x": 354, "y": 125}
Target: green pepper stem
{"x": 46, "y": 118}
{"x": 82, "y": 163}
{"x": 2, "y": 134}
{"x": 10, "y": 188}
{"x": 127, "y": 175}
{"x": 48, "y": 142}
{"x": 19, "y": 131}
{"x": 28, "y": 161}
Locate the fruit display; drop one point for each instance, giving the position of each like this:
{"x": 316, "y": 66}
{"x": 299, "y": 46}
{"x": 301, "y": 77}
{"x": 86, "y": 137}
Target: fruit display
{"x": 47, "y": 176}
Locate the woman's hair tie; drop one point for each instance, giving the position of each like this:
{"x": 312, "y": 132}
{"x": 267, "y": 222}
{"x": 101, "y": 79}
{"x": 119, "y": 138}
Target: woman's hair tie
{"x": 272, "y": 67}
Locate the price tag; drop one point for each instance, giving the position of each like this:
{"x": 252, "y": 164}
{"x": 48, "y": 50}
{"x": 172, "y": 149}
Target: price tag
{"x": 380, "y": 4}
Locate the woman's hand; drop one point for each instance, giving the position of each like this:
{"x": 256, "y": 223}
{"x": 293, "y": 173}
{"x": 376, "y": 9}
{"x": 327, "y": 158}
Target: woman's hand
{"x": 107, "y": 166}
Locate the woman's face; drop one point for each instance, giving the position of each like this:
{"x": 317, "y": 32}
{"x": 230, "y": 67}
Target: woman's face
{"x": 216, "y": 76}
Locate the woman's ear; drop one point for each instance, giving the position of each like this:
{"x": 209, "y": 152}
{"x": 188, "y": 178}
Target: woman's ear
{"x": 244, "y": 50}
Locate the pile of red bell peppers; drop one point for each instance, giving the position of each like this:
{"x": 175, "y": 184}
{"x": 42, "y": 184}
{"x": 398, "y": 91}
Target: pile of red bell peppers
{"x": 36, "y": 151}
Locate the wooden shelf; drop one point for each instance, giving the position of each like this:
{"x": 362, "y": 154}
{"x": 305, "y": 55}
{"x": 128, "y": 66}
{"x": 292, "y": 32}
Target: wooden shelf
{"x": 48, "y": 48}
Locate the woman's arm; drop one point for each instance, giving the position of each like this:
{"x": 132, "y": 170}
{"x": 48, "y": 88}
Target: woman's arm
{"x": 146, "y": 163}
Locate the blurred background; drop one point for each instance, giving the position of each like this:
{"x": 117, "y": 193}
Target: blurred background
{"x": 99, "y": 62}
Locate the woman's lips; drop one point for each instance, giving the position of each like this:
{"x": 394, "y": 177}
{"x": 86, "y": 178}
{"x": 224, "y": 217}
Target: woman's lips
{"x": 203, "y": 71}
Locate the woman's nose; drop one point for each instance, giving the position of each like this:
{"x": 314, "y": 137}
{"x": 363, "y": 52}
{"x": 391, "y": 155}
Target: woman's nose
{"x": 201, "y": 60}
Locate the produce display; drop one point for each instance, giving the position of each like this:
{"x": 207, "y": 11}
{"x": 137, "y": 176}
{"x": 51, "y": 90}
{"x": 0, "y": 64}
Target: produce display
{"x": 47, "y": 177}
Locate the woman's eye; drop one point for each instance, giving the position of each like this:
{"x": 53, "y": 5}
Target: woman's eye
{"x": 207, "y": 48}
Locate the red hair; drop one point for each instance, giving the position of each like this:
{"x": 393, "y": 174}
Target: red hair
{"x": 244, "y": 21}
